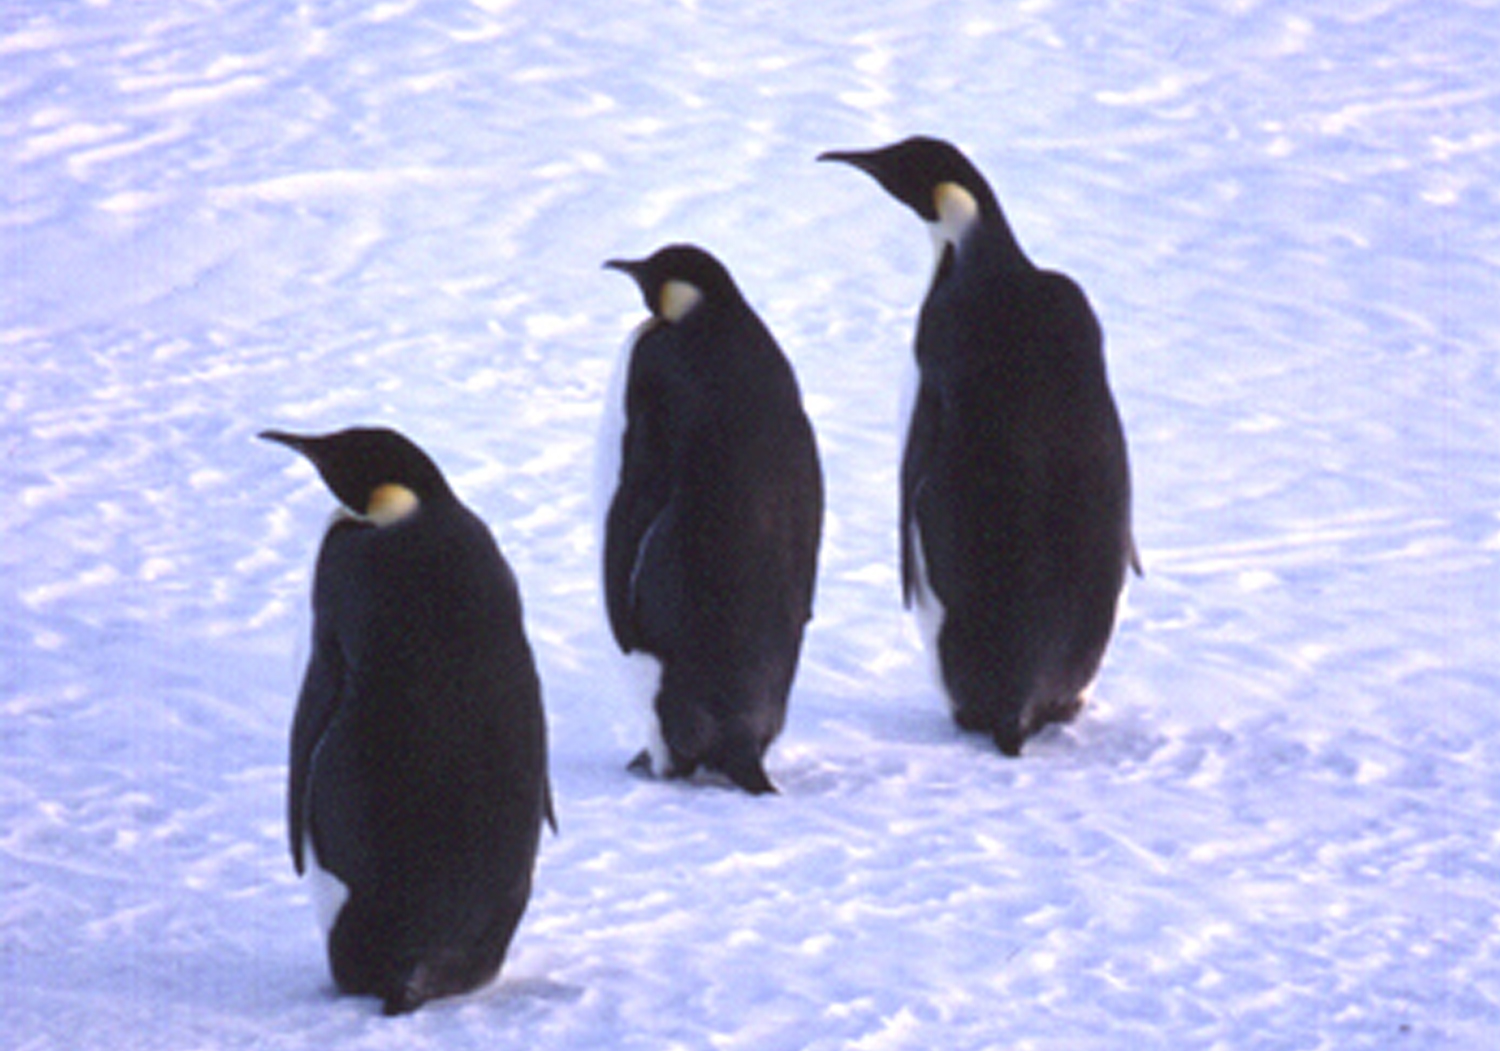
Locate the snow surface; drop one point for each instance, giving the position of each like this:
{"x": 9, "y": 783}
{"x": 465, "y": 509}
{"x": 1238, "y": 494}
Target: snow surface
{"x": 1278, "y": 826}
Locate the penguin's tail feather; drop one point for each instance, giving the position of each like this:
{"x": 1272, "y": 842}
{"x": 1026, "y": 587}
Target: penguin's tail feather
{"x": 450, "y": 973}
{"x": 696, "y": 736}
{"x": 747, "y": 772}
{"x": 740, "y": 760}
{"x": 423, "y": 982}
{"x": 405, "y": 999}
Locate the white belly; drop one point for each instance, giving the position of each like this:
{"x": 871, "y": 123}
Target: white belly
{"x": 640, "y": 677}
{"x": 927, "y": 613}
{"x": 327, "y": 891}
{"x": 926, "y": 608}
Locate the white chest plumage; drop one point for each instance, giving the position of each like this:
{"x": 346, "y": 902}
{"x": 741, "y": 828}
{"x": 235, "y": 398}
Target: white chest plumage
{"x": 327, "y": 891}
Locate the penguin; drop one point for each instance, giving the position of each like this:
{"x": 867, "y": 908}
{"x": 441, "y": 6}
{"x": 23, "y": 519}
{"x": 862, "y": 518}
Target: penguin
{"x": 1015, "y": 528}
{"x": 418, "y": 769}
{"x": 712, "y": 498}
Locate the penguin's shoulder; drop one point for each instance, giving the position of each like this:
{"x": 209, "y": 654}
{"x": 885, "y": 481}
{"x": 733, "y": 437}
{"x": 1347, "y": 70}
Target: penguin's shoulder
{"x": 340, "y": 556}
{"x": 1025, "y": 309}
{"x": 368, "y": 574}
{"x": 455, "y": 550}
{"x": 1059, "y": 298}
{"x": 751, "y": 374}
{"x": 661, "y": 370}
{"x": 1058, "y": 315}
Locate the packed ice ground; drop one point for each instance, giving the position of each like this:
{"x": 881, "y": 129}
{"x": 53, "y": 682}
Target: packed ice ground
{"x": 1277, "y": 826}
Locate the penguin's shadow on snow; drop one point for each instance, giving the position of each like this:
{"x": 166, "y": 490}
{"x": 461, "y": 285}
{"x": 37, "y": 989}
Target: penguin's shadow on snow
{"x": 1099, "y": 736}
{"x": 1103, "y": 736}
{"x": 505, "y": 996}
{"x": 863, "y": 750}
{"x": 522, "y": 991}
{"x": 509, "y": 997}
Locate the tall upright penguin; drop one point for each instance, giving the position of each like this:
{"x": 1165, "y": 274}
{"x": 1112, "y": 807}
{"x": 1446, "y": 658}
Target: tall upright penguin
{"x": 419, "y": 752}
{"x": 1015, "y": 486}
{"x": 713, "y": 501}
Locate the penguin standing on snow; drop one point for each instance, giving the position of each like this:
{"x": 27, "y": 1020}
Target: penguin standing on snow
{"x": 713, "y": 495}
{"x": 1015, "y": 487}
{"x": 419, "y": 753}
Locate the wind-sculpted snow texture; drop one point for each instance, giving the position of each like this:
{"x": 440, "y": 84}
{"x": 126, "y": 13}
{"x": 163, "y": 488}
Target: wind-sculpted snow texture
{"x": 1275, "y": 826}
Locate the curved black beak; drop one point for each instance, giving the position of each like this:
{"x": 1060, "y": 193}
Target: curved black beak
{"x": 291, "y": 441}
{"x": 626, "y": 266}
{"x": 858, "y": 158}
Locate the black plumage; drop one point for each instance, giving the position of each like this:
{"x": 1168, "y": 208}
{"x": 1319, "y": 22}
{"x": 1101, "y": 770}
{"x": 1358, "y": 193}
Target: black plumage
{"x": 1015, "y": 484}
{"x": 713, "y": 521}
{"x": 418, "y": 768}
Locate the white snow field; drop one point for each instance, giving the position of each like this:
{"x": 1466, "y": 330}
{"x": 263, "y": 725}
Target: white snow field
{"x": 1277, "y": 825}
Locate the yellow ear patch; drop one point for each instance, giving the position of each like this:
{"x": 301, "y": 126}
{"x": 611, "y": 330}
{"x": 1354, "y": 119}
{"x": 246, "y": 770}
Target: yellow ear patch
{"x": 677, "y": 298}
{"x": 391, "y": 503}
{"x": 957, "y": 210}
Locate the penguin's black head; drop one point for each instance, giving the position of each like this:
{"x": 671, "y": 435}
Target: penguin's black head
{"x": 376, "y": 473}
{"x": 676, "y": 279}
{"x": 940, "y": 184}
{"x": 923, "y": 173}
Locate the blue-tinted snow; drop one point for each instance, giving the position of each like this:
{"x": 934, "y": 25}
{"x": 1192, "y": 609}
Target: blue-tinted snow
{"x": 1274, "y": 828}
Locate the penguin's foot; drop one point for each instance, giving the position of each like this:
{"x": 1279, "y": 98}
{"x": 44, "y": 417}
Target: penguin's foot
{"x": 644, "y": 765}
{"x": 752, "y": 780}
{"x": 407, "y": 994}
{"x": 1009, "y": 739}
{"x": 1011, "y": 734}
{"x": 746, "y": 772}
{"x": 1007, "y": 731}
{"x": 1063, "y": 710}
{"x": 402, "y": 1002}
{"x": 750, "y": 777}
{"x": 453, "y": 972}
{"x": 641, "y": 766}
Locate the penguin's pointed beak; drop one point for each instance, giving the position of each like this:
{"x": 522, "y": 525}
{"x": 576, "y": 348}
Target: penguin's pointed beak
{"x": 873, "y": 163}
{"x": 892, "y": 168}
{"x": 637, "y": 272}
{"x": 291, "y": 441}
{"x": 858, "y": 158}
{"x": 307, "y": 445}
{"x": 625, "y": 266}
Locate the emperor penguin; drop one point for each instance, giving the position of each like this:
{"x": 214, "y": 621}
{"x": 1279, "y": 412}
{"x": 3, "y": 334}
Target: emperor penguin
{"x": 418, "y": 779}
{"x": 712, "y": 497}
{"x": 1015, "y": 485}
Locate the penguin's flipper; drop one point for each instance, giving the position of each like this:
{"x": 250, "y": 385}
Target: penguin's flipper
{"x": 1059, "y": 317}
{"x": 635, "y": 517}
{"x": 658, "y": 592}
{"x": 916, "y": 460}
{"x": 630, "y": 518}
{"x": 343, "y": 813}
{"x": 323, "y": 689}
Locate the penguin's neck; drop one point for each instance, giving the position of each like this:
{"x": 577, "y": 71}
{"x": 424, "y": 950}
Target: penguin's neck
{"x": 960, "y": 217}
{"x": 957, "y": 215}
{"x": 392, "y": 503}
{"x": 389, "y": 504}
{"x": 678, "y": 299}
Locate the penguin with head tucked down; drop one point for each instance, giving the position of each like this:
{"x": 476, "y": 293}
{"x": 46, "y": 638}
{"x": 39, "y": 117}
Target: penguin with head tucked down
{"x": 713, "y": 501}
{"x": 419, "y": 755}
{"x": 1015, "y": 485}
